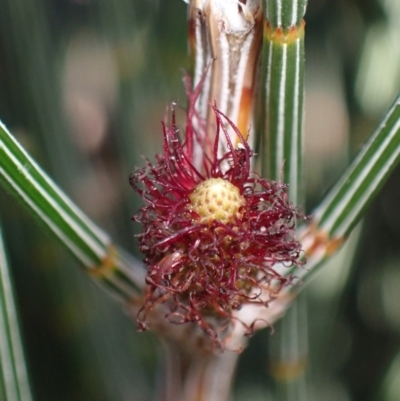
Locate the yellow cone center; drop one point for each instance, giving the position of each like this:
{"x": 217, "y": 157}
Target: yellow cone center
{"x": 216, "y": 199}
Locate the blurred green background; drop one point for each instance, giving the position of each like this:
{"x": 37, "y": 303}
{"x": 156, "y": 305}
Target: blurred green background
{"x": 84, "y": 85}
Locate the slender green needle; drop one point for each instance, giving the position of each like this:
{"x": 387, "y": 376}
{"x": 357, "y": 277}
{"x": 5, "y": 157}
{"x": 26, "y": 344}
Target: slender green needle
{"x": 25, "y": 180}
{"x": 283, "y": 62}
{"x": 281, "y": 159}
{"x": 14, "y": 385}
{"x": 347, "y": 201}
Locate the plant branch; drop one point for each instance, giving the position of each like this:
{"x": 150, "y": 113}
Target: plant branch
{"x": 14, "y": 384}
{"x": 113, "y": 268}
{"x": 347, "y": 201}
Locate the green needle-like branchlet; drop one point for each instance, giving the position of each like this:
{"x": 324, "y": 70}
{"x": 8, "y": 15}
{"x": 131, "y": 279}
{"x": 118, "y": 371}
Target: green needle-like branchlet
{"x": 14, "y": 385}
{"x": 344, "y": 206}
{"x": 281, "y": 159}
{"x": 346, "y": 202}
{"x": 22, "y": 177}
{"x": 283, "y": 63}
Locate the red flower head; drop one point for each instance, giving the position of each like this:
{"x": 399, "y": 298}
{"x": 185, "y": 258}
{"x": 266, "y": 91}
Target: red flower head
{"x": 212, "y": 233}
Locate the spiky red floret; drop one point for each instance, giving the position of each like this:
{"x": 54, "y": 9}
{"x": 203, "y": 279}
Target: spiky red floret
{"x": 206, "y": 271}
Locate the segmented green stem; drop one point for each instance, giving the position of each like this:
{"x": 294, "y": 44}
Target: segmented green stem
{"x": 281, "y": 160}
{"x": 283, "y": 57}
{"x": 24, "y": 179}
{"x": 344, "y": 206}
{"x": 285, "y": 13}
{"x": 14, "y": 385}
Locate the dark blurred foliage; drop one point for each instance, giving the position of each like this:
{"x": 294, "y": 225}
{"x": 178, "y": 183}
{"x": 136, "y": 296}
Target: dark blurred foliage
{"x": 84, "y": 86}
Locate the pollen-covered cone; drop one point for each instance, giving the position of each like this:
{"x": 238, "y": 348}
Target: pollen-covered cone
{"x": 211, "y": 235}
